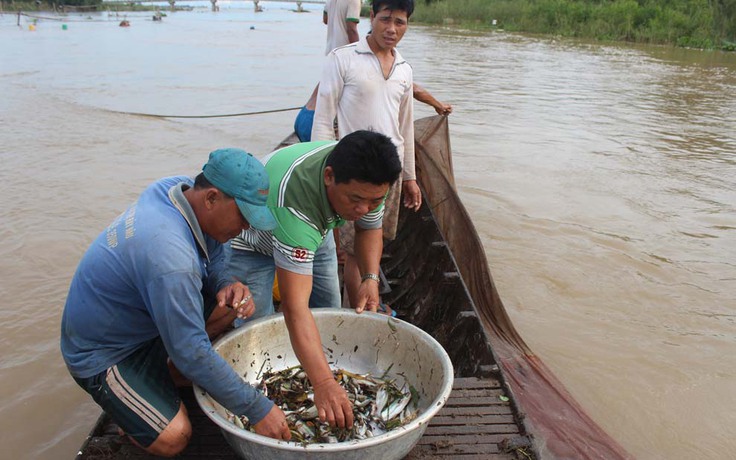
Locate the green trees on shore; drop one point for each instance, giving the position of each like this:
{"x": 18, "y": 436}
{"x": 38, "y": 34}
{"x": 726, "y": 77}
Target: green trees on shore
{"x": 46, "y": 5}
{"x": 82, "y": 2}
{"x": 693, "y": 23}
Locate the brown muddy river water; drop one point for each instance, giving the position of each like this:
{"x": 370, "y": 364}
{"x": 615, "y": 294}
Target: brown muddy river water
{"x": 601, "y": 178}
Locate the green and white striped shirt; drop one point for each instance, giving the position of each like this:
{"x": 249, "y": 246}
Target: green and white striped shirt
{"x": 298, "y": 200}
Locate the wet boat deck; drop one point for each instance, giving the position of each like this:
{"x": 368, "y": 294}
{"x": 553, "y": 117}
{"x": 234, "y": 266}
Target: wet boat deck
{"x": 476, "y": 423}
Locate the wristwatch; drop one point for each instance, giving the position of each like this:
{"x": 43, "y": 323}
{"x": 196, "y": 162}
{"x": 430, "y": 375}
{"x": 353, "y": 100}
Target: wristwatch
{"x": 370, "y": 276}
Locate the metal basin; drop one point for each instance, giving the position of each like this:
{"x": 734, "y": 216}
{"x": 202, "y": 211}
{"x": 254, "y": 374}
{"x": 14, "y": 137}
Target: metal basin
{"x": 365, "y": 343}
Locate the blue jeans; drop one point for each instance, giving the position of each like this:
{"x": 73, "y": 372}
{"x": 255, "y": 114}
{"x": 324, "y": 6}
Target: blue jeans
{"x": 256, "y": 271}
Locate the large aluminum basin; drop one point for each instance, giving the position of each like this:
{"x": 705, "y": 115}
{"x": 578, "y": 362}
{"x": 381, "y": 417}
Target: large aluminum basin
{"x": 365, "y": 343}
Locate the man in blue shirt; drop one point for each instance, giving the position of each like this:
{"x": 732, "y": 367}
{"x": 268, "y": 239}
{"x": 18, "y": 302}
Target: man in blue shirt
{"x": 153, "y": 289}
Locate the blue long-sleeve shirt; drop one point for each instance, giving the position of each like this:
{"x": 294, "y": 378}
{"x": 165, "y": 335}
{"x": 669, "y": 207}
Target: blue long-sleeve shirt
{"x": 143, "y": 277}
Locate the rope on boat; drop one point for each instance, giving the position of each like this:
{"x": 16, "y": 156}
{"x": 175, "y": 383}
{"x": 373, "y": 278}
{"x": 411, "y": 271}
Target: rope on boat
{"x": 260, "y": 112}
{"x": 64, "y": 19}
{"x": 32, "y": 16}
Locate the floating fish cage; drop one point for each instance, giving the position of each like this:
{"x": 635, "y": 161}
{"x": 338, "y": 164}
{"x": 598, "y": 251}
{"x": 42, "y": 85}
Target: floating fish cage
{"x": 368, "y": 343}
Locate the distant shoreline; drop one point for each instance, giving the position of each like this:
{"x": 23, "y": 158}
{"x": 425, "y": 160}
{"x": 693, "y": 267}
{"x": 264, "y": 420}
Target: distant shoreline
{"x": 683, "y": 23}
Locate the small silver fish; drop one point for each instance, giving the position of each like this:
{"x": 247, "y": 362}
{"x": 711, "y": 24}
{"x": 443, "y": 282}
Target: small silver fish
{"x": 378, "y": 405}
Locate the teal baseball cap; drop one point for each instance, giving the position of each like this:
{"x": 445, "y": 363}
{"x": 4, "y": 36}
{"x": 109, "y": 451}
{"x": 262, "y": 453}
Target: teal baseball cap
{"x": 240, "y": 175}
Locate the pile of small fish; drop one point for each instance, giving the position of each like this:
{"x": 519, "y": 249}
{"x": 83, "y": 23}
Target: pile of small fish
{"x": 379, "y": 405}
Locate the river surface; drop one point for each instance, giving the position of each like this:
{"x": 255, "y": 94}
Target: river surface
{"x": 600, "y": 177}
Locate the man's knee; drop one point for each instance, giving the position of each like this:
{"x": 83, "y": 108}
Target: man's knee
{"x": 175, "y": 436}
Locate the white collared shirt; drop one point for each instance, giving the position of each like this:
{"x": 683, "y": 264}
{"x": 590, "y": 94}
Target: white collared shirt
{"x": 354, "y": 89}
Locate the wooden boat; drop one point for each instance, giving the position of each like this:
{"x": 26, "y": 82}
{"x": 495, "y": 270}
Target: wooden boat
{"x": 505, "y": 404}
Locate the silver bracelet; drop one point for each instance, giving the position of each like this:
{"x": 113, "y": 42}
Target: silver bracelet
{"x": 370, "y": 276}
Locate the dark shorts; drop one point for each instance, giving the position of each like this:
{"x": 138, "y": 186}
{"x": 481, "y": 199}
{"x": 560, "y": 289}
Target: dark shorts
{"x": 138, "y": 392}
{"x": 303, "y": 124}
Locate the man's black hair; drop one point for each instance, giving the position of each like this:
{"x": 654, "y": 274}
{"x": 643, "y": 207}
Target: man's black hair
{"x": 201, "y": 182}
{"x": 394, "y": 5}
{"x": 365, "y": 156}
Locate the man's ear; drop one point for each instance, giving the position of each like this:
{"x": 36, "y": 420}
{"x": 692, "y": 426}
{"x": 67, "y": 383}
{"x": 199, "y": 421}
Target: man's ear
{"x": 210, "y": 197}
{"x": 329, "y": 176}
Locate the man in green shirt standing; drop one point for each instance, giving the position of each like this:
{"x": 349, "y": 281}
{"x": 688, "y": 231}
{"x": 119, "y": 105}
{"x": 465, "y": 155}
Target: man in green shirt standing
{"x": 314, "y": 188}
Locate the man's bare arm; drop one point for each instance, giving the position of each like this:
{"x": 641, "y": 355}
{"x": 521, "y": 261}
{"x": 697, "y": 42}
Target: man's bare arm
{"x": 368, "y": 249}
{"x": 331, "y": 400}
{"x": 422, "y": 95}
{"x": 352, "y": 31}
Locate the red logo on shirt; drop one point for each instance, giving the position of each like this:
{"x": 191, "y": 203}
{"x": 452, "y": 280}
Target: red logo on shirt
{"x": 300, "y": 254}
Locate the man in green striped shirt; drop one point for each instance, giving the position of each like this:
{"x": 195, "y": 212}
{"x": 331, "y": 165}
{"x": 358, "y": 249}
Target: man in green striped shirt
{"x": 314, "y": 188}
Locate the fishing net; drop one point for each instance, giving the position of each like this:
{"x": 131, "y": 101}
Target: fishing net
{"x": 559, "y": 425}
